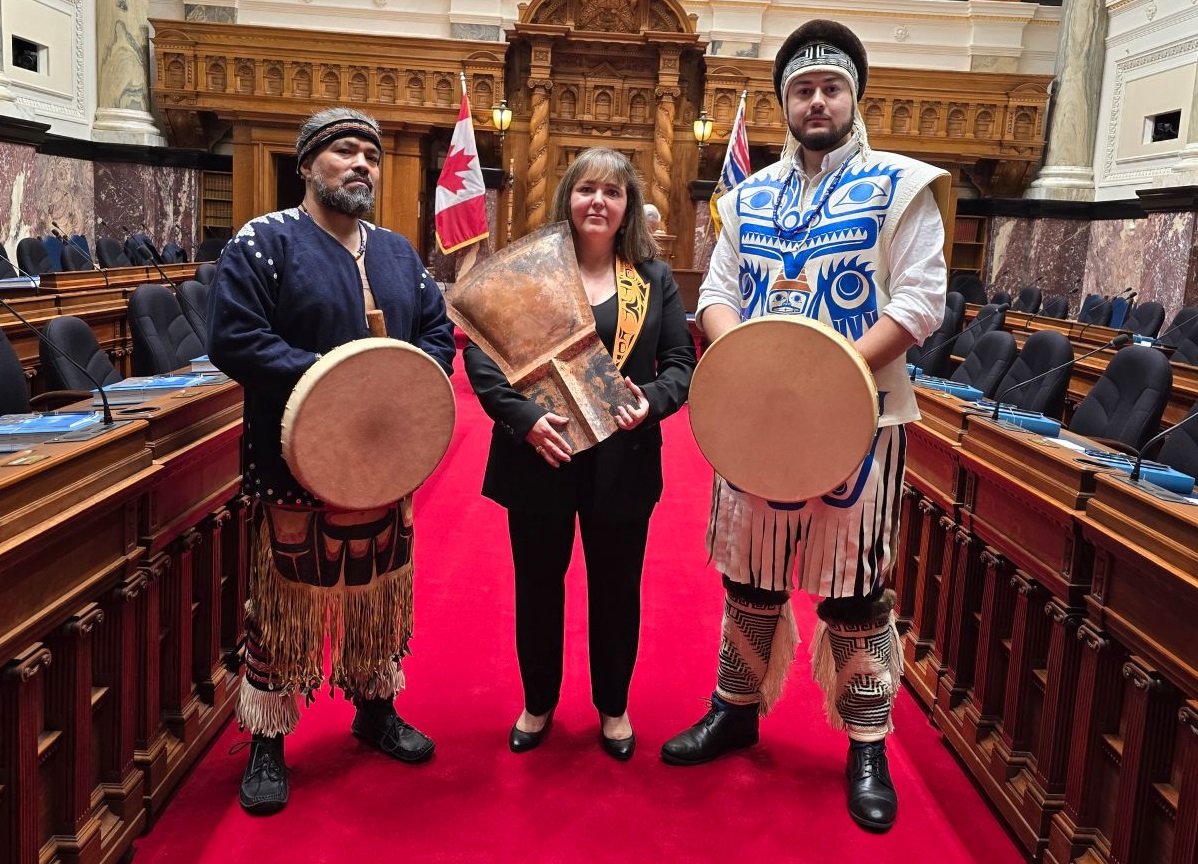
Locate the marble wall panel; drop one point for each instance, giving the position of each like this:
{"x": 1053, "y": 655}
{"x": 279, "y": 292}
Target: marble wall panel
{"x": 1157, "y": 256}
{"x": 1166, "y": 251}
{"x": 152, "y": 198}
{"x": 36, "y": 189}
{"x": 704, "y": 236}
{"x": 1049, "y": 253}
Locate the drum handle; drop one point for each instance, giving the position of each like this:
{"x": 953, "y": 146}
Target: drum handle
{"x": 376, "y": 323}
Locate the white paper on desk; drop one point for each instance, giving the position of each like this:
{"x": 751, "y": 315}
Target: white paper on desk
{"x": 1065, "y": 442}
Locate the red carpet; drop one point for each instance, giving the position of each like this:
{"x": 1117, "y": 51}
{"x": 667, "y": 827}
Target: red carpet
{"x": 783, "y": 800}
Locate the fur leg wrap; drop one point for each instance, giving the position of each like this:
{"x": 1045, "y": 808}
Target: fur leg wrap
{"x": 856, "y": 660}
{"x": 756, "y": 650}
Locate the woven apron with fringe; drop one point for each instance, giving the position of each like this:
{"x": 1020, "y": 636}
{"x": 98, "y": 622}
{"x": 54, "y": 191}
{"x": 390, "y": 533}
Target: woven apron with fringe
{"x": 341, "y": 575}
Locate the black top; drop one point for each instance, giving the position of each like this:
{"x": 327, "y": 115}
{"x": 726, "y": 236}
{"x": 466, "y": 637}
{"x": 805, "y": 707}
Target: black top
{"x": 621, "y": 475}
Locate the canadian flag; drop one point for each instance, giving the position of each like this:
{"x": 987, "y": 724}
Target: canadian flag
{"x": 461, "y": 213}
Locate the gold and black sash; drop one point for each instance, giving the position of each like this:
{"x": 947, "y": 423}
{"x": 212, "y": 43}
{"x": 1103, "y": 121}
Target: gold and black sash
{"x": 632, "y": 298}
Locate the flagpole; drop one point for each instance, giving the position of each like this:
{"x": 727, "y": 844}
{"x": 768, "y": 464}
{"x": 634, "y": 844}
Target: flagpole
{"x": 468, "y": 256}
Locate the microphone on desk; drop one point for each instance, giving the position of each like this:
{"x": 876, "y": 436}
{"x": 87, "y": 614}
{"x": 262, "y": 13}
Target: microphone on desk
{"x": 1158, "y": 340}
{"x": 79, "y": 247}
{"x": 182, "y": 297}
{"x": 1135, "y": 471}
{"x": 1002, "y": 308}
{"x": 108, "y": 421}
{"x": 1118, "y": 342}
{"x": 100, "y": 223}
{"x": 1028, "y": 323}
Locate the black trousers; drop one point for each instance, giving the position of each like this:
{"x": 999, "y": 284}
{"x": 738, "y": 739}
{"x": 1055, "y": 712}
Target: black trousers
{"x": 615, "y": 557}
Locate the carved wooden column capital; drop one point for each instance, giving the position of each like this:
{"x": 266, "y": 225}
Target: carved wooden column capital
{"x": 24, "y": 666}
{"x": 1093, "y": 639}
{"x": 85, "y": 620}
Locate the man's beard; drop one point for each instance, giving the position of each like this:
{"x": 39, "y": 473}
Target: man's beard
{"x": 820, "y": 140}
{"x": 352, "y": 202}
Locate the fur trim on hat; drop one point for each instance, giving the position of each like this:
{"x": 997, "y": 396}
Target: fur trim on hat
{"x": 822, "y": 30}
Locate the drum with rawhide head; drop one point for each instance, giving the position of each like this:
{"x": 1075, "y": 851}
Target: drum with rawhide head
{"x": 783, "y": 407}
{"x": 367, "y": 423}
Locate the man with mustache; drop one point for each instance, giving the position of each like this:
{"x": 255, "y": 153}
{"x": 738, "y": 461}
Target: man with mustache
{"x": 291, "y": 286}
{"x": 850, "y": 236}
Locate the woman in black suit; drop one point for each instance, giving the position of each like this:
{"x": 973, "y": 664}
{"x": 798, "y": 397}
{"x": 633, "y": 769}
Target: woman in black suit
{"x": 612, "y": 487}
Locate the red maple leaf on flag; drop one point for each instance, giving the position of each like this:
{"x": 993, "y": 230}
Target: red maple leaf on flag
{"x": 457, "y": 163}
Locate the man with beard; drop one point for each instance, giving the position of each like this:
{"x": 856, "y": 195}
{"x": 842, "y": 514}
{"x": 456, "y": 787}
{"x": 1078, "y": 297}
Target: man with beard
{"x": 291, "y": 286}
{"x": 850, "y": 236}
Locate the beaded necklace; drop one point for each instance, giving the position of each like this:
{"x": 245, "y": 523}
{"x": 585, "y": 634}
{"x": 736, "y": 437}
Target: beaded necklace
{"x": 812, "y": 215}
{"x": 361, "y": 234}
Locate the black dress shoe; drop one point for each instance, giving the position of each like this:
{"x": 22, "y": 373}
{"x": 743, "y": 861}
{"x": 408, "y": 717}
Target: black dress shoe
{"x": 872, "y": 801}
{"x": 722, "y": 729}
{"x": 378, "y": 725}
{"x": 618, "y": 748}
{"x": 264, "y": 783}
{"x": 520, "y": 741}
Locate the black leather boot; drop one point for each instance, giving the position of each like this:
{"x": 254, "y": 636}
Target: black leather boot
{"x": 378, "y": 725}
{"x": 264, "y": 783}
{"x": 723, "y": 728}
{"x": 873, "y": 803}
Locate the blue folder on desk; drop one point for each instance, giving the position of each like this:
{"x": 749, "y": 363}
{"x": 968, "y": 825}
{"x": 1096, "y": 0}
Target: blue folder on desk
{"x": 39, "y": 427}
{"x": 137, "y": 389}
{"x": 961, "y": 391}
{"x": 1032, "y": 421}
{"x": 1152, "y": 472}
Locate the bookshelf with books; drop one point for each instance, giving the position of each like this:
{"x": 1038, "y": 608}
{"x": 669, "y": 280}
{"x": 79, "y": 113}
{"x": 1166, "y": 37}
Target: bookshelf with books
{"x": 969, "y": 244}
{"x": 216, "y": 205}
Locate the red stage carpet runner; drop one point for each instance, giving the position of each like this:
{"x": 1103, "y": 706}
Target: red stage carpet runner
{"x": 783, "y": 800}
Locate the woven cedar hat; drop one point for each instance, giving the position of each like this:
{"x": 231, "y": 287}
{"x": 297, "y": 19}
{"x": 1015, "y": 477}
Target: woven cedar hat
{"x": 828, "y": 32}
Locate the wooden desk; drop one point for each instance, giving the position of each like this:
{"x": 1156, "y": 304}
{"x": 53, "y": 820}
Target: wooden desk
{"x": 130, "y": 554}
{"x": 1132, "y": 790}
{"x": 928, "y": 528}
{"x": 1086, "y": 338}
{"x": 1063, "y": 651}
{"x": 98, "y": 297}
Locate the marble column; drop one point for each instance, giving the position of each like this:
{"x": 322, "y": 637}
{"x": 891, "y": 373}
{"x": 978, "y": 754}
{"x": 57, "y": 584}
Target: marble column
{"x": 1185, "y": 172}
{"x": 1068, "y": 172}
{"x": 123, "y": 75}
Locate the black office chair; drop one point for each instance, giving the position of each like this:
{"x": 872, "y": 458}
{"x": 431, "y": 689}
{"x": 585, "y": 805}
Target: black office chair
{"x": 163, "y": 340}
{"x": 193, "y": 297}
{"x": 1000, "y": 297}
{"x": 73, "y": 259}
{"x": 1145, "y": 319}
{"x": 173, "y": 253}
{"x": 111, "y": 254}
{"x": 1028, "y": 300}
{"x": 140, "y": 250}
{"x": 206, "y": 272}
{"x": 1056, "y": 306}
{"x": 1042, "y": 351}
{"x": 33, "y": 258}
{"x": 14, "y": 392}
{"x": 1185, "y": 321}
{"x": 7, "y": 271}
{"x": 1095, "y": 310}
{"x": 937, "y": 360}
{"x": 987, "y": 362}
{"x": 210, "y": 249}
{"x": 988, "y": 319}
{"x": 1127, "y": 401}
{"x": 970, "y": 287}
{"x": 1187, "y": 347}
{"x": 1180, "y": 448}
{"x": 76, "y": 339}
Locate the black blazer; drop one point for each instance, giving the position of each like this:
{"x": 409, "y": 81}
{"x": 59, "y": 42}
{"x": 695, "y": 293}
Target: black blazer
{"x": 620, "y": 476}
